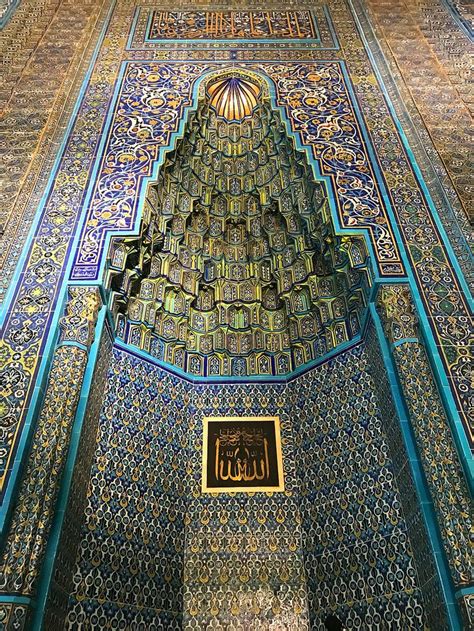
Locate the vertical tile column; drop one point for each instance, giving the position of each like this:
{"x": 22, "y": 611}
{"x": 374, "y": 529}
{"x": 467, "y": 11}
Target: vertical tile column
{"x": 430, "y": 425}
{"x": 24, "y": 550}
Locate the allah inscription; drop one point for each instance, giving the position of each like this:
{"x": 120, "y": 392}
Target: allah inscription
{"x": 232, "y": 25}
{"x": 242, "y": 454}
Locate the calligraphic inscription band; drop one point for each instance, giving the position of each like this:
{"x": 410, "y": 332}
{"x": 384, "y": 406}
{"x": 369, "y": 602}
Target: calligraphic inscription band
{"x": 232, "y": 25}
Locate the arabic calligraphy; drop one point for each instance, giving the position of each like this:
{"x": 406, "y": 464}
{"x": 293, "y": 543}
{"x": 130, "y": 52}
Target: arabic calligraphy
{"x": 232, "y": 25}
{"x": 242, "y": 453}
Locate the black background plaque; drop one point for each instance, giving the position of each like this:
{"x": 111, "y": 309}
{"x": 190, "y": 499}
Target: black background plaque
{"x": 242, "y": 454}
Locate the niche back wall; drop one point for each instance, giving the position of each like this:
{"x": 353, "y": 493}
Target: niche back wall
{"x": 156, "y": 552}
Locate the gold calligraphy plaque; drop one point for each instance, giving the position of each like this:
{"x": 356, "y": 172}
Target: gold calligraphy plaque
{"x": 242, "y": 454}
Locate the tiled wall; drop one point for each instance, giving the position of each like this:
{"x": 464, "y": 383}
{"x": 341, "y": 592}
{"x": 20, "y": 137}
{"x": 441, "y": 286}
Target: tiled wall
{"x": 153, "y": 546}
{"x": 244, "y": 562}
{"x": 428, "y": 580}
{"x": 357, "y": 552}
{"x": 130, "y": 560}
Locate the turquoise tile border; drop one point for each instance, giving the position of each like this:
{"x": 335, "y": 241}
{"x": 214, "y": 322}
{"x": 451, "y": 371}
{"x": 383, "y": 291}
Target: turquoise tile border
{"x": 421, "y": 485}
{"x": 66, "y": 480}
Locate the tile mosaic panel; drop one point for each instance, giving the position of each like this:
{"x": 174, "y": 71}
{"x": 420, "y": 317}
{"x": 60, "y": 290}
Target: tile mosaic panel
{"x": 445, "y": 114}
{"x": 36, "y": 105}
{"x": 429, "y": 257}
{"x": 130, "y": 560}
{"x": 243, "y": 274}
{"x": 446, "y": 202}
{"x": 231, "y": 25}
{"x": 445, "y": 476}
{"x": 358, "y": 557}
{"x": 149, "y": 108}
{"x": 424, "y": 563}
{"x": 29, "y": 312}
{"x": 243, "y": 562}
{"x": 309, "y": 29}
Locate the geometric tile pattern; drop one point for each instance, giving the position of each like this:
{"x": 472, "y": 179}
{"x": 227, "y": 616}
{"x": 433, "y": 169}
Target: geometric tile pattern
{"x": 62, "y": 579}
{"x": 446, "y": 115}
{"x": 437, "y": 281}
{"x": 40, "y": 34}
{"x": 243, "y": 563}
{"x": 21, "y": 561}
{"x": 36, "y": 108}
{"x": 445, "y": 199}
{"x": 428, "y": 580}
{"x": 130, "y": 559}
{"x": 358, "y": 557}
{"x": 454, "y": 52}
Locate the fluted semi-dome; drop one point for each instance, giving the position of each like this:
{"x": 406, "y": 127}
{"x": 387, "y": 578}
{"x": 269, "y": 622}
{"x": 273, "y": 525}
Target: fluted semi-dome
{"x": 233, "y": 97}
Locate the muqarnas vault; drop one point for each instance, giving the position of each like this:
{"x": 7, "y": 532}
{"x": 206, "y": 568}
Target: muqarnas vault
{"x": 238, "y": 270}
{"x": 240, "y": 425}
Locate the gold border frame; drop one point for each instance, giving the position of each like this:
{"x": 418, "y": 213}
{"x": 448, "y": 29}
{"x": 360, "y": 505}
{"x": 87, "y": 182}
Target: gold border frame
{"x": 239, "y": 489}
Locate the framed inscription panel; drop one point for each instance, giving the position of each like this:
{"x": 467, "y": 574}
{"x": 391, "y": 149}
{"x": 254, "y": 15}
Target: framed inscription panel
{"x": 241, "y": 453}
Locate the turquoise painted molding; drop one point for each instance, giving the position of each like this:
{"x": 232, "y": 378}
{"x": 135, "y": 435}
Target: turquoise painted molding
{"x": 52, "y": 337}
{"x": 405, "y": 340}
{"x": 19, "y": 600}
{"x": 7, "y": 9}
